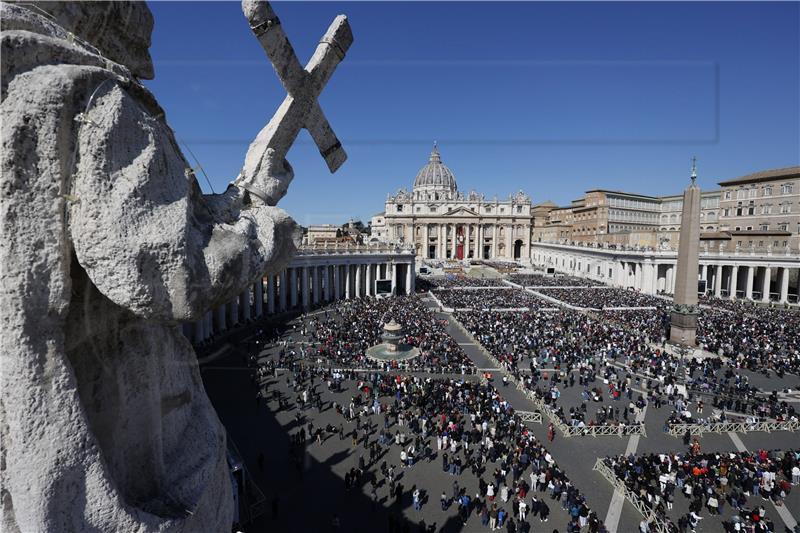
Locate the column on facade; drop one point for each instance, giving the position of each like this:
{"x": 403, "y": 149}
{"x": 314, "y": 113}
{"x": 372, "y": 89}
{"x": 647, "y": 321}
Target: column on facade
{"x": 284, "y": 289}
{"x": 425, "y": 244}
{"x": 258, "y": 293}
{"x": 271, "y": 294}
{"x": 439, "y": 248}
{"x": 479, "y": 242}
{"x": 305, "y": 286}
{"x": 718, "y": 281}
{"x": 766, "y": 285}
{"x": 510, "y": 241}
{"x": 467, "y": 235}
{"x": 784, "y": 287}
{"x": 748, "y": 288}
{"x": 734, "y": 282}
{"x": 668, "y": 278}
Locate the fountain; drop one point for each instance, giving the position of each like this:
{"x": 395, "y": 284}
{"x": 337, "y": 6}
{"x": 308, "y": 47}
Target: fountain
{"x": 392, "y": 348}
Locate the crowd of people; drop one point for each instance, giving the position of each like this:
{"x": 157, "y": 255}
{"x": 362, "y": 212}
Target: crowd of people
{"x": 452, "y": 281}
{"x": 726, "y": 484}
{"x": 502, "y": 475}
{"x": 508, "y": 298}
{"x": 757, "y": 338}
{"x": 343, "y": 332}
{"x": 540, "y": 280}
{"x": 601, "y": 298}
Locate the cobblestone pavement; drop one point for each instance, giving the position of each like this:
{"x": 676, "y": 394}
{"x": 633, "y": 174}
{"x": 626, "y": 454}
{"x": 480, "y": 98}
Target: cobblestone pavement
{"x": 310, "y": 493}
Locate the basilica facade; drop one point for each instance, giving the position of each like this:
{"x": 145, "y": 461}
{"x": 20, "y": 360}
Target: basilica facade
{"x": 444, "y": 223}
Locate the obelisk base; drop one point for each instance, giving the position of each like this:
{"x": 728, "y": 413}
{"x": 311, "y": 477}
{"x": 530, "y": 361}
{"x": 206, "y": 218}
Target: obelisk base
{"x": 683, "y": 327}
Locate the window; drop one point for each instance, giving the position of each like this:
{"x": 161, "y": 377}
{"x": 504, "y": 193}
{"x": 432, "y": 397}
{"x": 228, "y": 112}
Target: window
{"x": 766, "y": 209}
{"x": 519, "y": 209}
{"x": 768, "y": 191}
{"x": 775, "y": 244}
{"x": 727, "y": 195}
{"x": 786, "y": 188}
{"x": 761, "y": 244}
{"x": 741, "y": 194}
{"x": 726, "y": 212}
{"x": 399, "y": 208}
{"x": 751, "y": 209}
{"x": 749, "y": 228}
{"x": 502, "y": 209}
{"x": 419, "y": 209}
{"x": 753, "y": 192}
{"x": 786, "y": 208}
{"x": 764, "y": 227}
{"x": 783, "y": 226}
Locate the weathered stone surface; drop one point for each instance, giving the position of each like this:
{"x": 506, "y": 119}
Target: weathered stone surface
{"x": 107, "y": 245}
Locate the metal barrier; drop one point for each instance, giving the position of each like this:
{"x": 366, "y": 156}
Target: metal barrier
{"x": 529, "y": 416}
{"x": 677, "y": 430}
{"x": 658, "y": 524}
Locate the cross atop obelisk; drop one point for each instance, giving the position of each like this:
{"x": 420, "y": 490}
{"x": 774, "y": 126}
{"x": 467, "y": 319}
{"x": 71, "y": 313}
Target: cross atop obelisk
{"x": 684, "y": 312}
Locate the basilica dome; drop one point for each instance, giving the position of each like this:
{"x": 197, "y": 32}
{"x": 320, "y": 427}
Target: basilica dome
{"x": 435, "y": 175}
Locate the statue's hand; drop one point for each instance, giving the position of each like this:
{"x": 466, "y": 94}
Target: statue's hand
{"x": 265, "y": 176}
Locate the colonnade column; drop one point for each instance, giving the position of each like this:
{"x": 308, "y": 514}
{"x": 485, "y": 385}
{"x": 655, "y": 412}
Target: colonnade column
{"x": 748, "y": 288}
{"x": 410, "y": 278}
{"x": 337, "y": 282}
{"x": 271, "y": 294}
{"x": 733, "y": 282}
{"x": 393, "y": 270}
{"x": 467, "y": 235}
{"x": 718, "y": 281}
{"x": 317, "y": 285}
{"x": 258, "y": 291}
{"x": 494, "y": 241}
{"x": 244, "y": 304}
{"x": 784, "y": 290}
{"x": 347, "y": 281}
{"x": 766, "y": 285}
{"x": 509, "y": 242}
{"x": 479, "y": 242}
{"x": 370, "y": 282}
{"x": 425, "y": 243}
{"x": 304, "y": 287}
{"x": 293, "y": 287}
{"x": 284, "y": 289}
{"x": 358, "y": 281}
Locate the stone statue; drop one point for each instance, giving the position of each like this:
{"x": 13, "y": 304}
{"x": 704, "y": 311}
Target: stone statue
{"x": 108, "y": 246}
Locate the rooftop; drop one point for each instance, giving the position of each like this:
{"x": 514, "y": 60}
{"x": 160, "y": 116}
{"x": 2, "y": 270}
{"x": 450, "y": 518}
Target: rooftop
{"x": 764, "y": 175}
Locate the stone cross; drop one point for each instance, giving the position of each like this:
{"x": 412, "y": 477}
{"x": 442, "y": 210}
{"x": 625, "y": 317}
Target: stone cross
{"x": 300, "y": 108}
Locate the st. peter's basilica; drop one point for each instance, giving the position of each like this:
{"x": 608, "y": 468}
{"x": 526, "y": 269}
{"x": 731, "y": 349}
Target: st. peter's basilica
{"x": 444, "y": 223}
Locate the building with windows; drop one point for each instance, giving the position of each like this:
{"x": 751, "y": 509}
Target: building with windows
{"x": 761, "y": 211}
{"x": 441, "y": 222}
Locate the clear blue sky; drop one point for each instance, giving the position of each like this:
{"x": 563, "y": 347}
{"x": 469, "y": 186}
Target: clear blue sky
{"x": 551, "y": 98}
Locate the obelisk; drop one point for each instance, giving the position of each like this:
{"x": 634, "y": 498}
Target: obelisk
{"x": 684, "y": 305}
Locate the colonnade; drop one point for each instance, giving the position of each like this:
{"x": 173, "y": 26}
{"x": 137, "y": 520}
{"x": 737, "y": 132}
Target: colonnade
{"x": 758, "y": 278}
{"x": 309, "y": 281}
